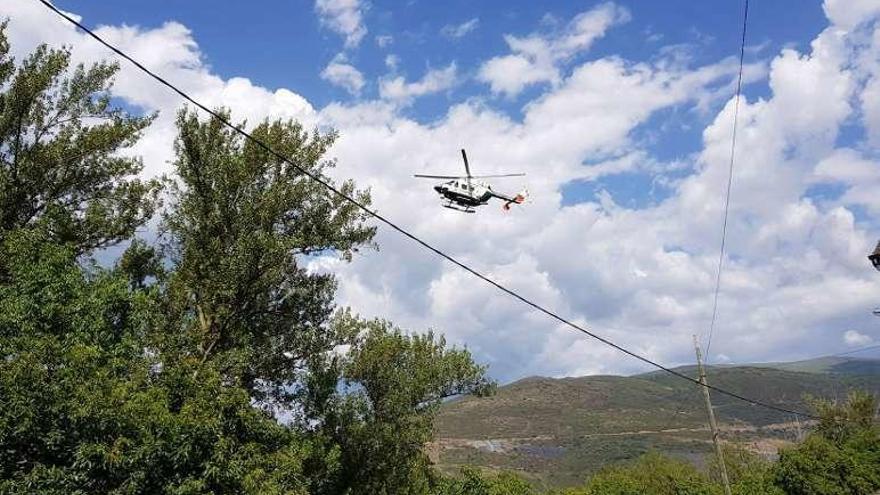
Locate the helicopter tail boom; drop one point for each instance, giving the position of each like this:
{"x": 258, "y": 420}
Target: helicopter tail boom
{"x": 518, "y": 199}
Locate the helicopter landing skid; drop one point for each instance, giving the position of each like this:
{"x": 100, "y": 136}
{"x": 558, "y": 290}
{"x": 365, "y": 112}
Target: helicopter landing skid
{"x": 464, "y": 210}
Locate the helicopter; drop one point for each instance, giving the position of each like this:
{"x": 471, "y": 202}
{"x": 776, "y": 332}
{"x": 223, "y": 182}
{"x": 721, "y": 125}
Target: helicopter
{"x": 463, "y": 193}
{"x": 874, "y": 257}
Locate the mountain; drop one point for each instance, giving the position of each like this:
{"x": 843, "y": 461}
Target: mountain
{"x": 555, "y": 431}
{"x": 831, "y": 364}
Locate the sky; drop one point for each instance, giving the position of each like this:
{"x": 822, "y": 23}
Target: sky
{"x": 621, "y": 115}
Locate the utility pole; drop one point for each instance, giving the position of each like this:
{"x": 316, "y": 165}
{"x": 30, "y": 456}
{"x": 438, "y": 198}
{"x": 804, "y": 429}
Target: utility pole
{"x": 800, "y": 433}
{"x": 712, "y": 425}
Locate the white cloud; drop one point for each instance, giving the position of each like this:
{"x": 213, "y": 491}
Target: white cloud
{"x": 869, "y": 67}
{"x": 848, "y": 167}
{"x": 850, "y": 13}
{"x": 344, "y": 17}
{"x": 384, "y": 40}
{"x": 871, "y": 107}
{"x": 169, "y": 50}
{"x": 457, "y": 31}
{"x": 340, "y": 73}
{"x": 796, "y": 277}
{"x": 392, "y": 61}
{"x": 536, "y": 58}
{"x": 854, "y": 338}
{"x": 434, "y": 81}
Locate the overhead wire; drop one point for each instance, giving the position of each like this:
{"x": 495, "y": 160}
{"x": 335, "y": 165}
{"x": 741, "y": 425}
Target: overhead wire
{"x": 854, "y": 351}
{"x": 742, "y": 52}
{"x": 324, "y": 183}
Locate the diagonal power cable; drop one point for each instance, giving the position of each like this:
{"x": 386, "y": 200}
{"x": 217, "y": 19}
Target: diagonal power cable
{"x": 742, "y": 52}
{"x": 861, "y": 349}
{"x": 317, "y": 178}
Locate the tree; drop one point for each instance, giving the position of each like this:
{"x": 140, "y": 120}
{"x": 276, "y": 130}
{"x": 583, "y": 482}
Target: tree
{"x": 651, "y": 474}
{"x": 378, "y": 424}
{"x": 472, "y": 482}
{"x": 141, "y": 262}
{"x": 86, "y": 410}
{"x": 749, "y": 473}
{"x": 240, "y": 221}
{"x": 61, "y": 166}
{"x": 238, "y": 303}
{"x": 841, "y": 457}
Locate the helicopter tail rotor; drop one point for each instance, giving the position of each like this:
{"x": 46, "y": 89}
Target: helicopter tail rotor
{"x": 518, "y": 199}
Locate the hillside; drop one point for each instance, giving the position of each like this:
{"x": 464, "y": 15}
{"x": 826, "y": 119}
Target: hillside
{"x": 555, "y": 431}
{"x": 831, "y": 364}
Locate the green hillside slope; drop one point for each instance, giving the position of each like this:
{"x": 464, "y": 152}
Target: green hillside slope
{"x": 556, "y": 431}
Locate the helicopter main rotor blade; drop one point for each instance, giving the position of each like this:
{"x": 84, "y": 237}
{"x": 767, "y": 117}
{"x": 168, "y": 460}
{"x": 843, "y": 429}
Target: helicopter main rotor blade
{"x": 422, "y": 176}
{"x": 496, "y": 176}
{"x": 467, "y": 167}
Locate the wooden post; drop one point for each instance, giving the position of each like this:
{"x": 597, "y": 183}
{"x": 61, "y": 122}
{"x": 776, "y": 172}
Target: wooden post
{"x": 712, "y": 425}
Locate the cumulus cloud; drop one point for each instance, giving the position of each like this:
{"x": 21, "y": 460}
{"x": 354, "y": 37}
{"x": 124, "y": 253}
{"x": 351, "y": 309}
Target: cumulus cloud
{"x": 854, "y": 338}
{"x": 345, "y": 17}
{"x": 848, "y": 14}
{"x": 170, "y": 50}
{"x": 852, "y": 169}
{"x": 434, "y": 81}
{"x": 535, "y": 58}
{"x": 796, "y": 277}
{"x": 392, "y": 61}
{"x": 384, "y": 40}
{"x": 457, "y": 31}
{"x": 642, "y": 276}
{"x": 340, "y": 73}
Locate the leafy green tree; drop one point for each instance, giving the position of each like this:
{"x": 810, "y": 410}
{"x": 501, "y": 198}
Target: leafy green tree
{"x": 749, "y": 473}
{"x": 471, "y": 481}
{"x": 237, "y": 301}
{"x": 379, "y": 422}
{"x": 61, "y": 165}
{"x": 86, "y": 410}
{"x": 140, "y": 263}
{"x": 240, "y": 221}
{"x": 841, "y": 457}
{"x": 651, "y": 474}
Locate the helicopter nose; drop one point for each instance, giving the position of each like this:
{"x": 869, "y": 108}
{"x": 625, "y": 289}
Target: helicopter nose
{"x": 439, "y": 189}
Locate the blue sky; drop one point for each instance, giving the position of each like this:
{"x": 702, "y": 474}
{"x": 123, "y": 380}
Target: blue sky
{"x": 283, "y": 44}
{"x": 279, "y": 43}
{"x": 619, "y": 112}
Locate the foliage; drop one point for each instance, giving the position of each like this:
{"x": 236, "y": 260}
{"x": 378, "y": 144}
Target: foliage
{"x": 652, "y": 474}
{"x": 749, "y": 473}
{"x": 839, "y": 422}
{"x": 841, "y": 457}
{"x": 239, "y": 224}
{"x": 61, "y": 164}
{"x": 472, "y": 482}
{"x": 140, "y": 263}
{"x": 86, "y": 410}
{"x": 380, "y": 420}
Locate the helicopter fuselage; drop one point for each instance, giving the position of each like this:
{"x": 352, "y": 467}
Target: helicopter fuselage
{"x": 465, "y": 194}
